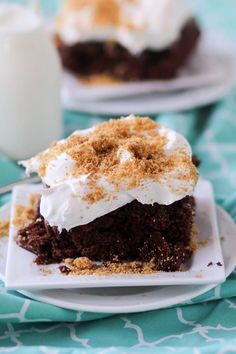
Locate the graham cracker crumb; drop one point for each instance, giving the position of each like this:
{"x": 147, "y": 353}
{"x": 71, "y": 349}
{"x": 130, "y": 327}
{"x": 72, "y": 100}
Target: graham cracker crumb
{"x": 23, "y": 215}
{"x": 83, "y": 263}
{"x": 84, "y": 266}
{"x": 99, "y": 80}
{"x": 194, "y": 243}
{"x": 199, "y": 275}
{"x": 203, "y": 243}
{"x": 45, "y": 271}
{"x": 96, "y": 193}
{"x": 33, "y": 200}
{"x": 4, "y": 228}
{"x": 104, "y": 13}
{"x": 99, "y": 153}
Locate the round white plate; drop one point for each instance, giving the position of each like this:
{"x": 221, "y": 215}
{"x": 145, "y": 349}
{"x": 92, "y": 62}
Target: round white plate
{"x": 127, "y": 300}
{"x": 155, "y": 102}
{"x": 209, "y": 75}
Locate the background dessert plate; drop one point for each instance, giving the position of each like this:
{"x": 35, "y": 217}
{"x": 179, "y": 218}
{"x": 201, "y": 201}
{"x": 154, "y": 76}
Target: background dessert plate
{"x": 210, "y": 67}
{"x": 154, "y": 102}
{"x": 135, "y": 299}
{"x": 206, "y": 266}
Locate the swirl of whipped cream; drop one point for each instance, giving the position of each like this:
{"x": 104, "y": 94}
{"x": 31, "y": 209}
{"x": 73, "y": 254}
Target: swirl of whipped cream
{"x": 135, "y": 24}
{"x": 65, "y": 205}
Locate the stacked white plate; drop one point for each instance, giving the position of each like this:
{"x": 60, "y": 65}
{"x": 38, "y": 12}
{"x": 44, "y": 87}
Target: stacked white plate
{"x": 210, "y": 264}
{"x": 208, "y": 76}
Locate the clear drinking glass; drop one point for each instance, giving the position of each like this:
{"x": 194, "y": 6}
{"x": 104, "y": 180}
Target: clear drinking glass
{"x": 30, "y": 73}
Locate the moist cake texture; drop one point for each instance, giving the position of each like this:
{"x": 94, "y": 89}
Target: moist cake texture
{"x": 126, "y": 39}
{"x": 118, "y": 192}
{"x": 158, "y": 233}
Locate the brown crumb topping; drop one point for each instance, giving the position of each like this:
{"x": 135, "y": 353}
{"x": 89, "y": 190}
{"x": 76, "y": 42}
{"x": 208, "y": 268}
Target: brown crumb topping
{"x": 4, "y": 228}
{"x": 24, "y": 215}
{"x": 84, "y": 266}
{"x": 99, "y": 153}
{"x": 99, "y": 79}
{"x": 199, "y": 275}
{"x": 81, "y": 263}
{"x": 104, "y": 13}
{"x": 96, "y": 193}
{"x": 45, "y": 272}
{"x": 203, "y": 242}
{"x": 194, "y": 242}
{"x": 33, "y": 200}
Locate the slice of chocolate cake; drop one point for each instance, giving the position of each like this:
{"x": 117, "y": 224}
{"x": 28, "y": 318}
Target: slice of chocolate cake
{"x": 126, "y": 40}
{"x": 118, "y": 192}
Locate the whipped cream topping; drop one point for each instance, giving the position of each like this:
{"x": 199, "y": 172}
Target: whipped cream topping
{"x": 135, "y": 24}
{"x": 67, "y": 203}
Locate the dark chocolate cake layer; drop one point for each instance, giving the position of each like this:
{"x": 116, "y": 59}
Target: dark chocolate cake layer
{"x": 90, "y": 58}
{"x": 132, "y": 232}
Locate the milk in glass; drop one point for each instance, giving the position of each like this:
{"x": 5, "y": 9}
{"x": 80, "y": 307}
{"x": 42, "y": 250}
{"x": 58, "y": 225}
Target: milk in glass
{"x": 30, "y": 71}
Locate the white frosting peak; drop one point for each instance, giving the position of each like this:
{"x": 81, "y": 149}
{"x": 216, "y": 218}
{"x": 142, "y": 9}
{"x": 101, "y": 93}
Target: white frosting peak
{"x": 138, "y": 24}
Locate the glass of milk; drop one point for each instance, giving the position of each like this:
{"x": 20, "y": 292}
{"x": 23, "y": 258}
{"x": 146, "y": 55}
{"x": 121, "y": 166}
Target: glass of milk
{"x": 30, "y": 73}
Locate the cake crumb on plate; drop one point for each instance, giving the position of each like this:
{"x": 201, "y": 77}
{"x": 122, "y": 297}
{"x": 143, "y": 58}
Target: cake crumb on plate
{"x": 4, "y": 228}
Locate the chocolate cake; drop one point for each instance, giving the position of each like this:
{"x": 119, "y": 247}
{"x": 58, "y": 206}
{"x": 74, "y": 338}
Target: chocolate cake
{"x": 112, "y": 59}
{"x": 119, "y": 192}
{"x": 160, "y": 233}
{"x": 126, "y": 40}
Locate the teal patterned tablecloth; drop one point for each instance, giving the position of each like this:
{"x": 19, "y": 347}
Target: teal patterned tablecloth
{"x": 208, "y": 323}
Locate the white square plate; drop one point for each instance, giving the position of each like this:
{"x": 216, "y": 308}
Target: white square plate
{"x": 22, "y": 273}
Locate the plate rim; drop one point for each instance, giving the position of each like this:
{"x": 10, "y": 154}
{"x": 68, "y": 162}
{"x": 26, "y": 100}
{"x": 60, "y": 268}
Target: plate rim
{"x": 199, "y": 97}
